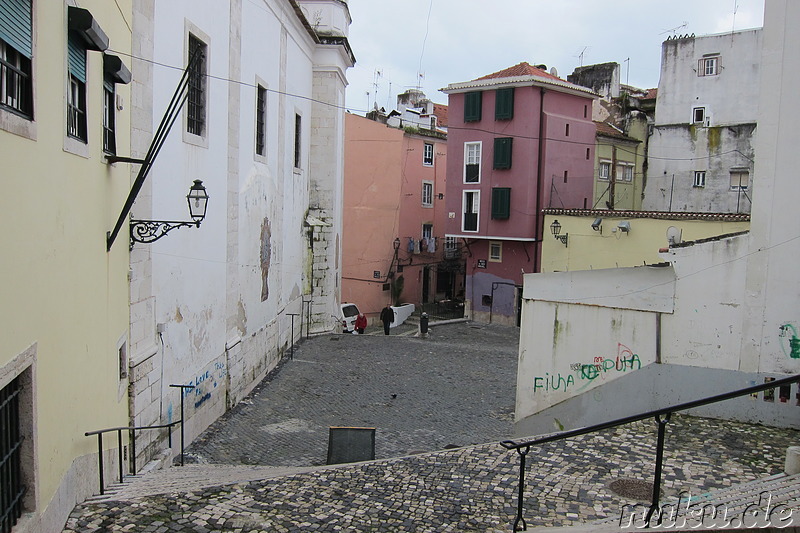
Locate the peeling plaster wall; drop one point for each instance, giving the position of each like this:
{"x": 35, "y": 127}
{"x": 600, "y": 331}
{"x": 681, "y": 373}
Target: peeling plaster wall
{"x": 723, "y": 142}
{"x": 213, "y": 303}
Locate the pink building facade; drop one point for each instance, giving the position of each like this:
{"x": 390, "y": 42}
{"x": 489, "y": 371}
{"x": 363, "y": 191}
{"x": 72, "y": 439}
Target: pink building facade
{"x": 520, "y": 140}
{"x": 394, "y": 194}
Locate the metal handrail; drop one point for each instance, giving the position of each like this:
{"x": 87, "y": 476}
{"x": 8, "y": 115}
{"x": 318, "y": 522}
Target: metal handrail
{"x": 661, "y": 417}
{"x": 132, "y": 439}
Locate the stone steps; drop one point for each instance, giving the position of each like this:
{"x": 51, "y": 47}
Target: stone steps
{"x": 189, "y": 478}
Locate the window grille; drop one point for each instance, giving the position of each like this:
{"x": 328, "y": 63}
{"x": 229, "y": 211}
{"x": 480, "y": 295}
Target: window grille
{"x": 196, "y": 94}
{"x": 11, "y": 488}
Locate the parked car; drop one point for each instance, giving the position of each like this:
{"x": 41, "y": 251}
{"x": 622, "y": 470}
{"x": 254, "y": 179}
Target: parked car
{"x": 349, "y": 314}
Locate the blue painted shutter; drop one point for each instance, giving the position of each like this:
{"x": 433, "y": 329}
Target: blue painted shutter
{"x": 16, "y": 25}
{"x": 76, "y": 54}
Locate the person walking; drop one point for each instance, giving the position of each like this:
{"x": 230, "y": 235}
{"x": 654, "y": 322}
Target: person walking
{"x": 387, "y": 317}
{"x": 361, "y": 323}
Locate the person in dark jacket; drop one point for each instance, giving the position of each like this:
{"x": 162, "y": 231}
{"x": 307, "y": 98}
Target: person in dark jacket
{"x": 387, "y": 317}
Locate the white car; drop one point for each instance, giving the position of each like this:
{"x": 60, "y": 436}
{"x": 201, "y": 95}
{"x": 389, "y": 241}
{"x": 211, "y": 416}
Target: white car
{"x": 349, "y": 315}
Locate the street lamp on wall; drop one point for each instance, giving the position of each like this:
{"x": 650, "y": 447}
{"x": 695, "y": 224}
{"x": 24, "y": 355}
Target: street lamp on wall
{"x": 555, "y": 228}
{"x": 146, "y": 231}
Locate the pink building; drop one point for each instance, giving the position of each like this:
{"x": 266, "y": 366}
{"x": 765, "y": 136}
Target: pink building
{"x": 520, "y": 140}
{"x": 393, "y": 194}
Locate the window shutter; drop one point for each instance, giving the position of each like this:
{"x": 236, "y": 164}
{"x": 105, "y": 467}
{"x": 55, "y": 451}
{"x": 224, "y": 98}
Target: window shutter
{"x": 472, "y": 106}
{"x": 501, "y": 203}
{"x": 504, "y": 104}
{"x": 502, "y": 153}
{"x": 76, "y": 56}
{"x": 16, "y": 25}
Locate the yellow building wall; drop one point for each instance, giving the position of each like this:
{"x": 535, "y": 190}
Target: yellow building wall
{"x": 609, "y": 247}
{"x": 62, "y": 293}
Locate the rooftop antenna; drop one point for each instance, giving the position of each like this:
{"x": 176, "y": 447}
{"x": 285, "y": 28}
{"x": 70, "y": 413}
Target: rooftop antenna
{"x": 580, "y": 55}
{"x": 420, "y": 77}
{"x": 375, "y": 77}
{"x": 735, "y": 9}
{"x": 628, "y": 73}
{"x": 674, "y": 30}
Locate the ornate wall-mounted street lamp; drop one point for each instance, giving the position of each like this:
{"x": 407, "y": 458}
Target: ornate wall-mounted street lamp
{"x": 151, "y": 230}
{"x": 555, "y": 227}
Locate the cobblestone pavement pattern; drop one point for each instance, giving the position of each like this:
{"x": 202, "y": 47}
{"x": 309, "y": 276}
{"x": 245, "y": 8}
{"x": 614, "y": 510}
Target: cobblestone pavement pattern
{"x": 456, "y": 387}
{"x": 450, "y": 390}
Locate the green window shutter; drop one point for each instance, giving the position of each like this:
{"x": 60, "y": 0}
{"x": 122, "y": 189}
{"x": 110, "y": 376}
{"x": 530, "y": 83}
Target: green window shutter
{"x": 76, "y": 56}
{"x": 501, "y": 203}
{"x": 16, "y": 25}
{"x": 502, "y": 153}
{"x": 472, "y": 106}
{"x": 504, "y": 104}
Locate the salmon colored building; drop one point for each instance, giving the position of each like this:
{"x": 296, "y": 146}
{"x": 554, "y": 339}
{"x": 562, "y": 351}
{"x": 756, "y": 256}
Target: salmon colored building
{"x": 393, "y": 248}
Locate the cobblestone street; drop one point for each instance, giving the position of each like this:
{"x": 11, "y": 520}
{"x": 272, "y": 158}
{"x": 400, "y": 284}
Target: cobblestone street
{"x": 423, "y": 395}
{"x": 454, "y": 388}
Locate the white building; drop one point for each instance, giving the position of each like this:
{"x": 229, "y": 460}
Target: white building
{"x": 721, "y": 315}
{"x": 701, "y": 152}
{"x": 263, "y": 129}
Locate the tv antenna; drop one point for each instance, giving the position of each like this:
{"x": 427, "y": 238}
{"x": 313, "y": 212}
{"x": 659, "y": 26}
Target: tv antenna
{"x": 581, "y": 54}
{"x": 674, "y": 30}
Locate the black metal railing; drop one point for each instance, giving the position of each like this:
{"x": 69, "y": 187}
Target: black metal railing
{"x": 132, "y": 440}
{"x": 12, "y": 489}
{"x": 443, "y": 309}
{"x": 661, "y": 417}
{"x": 15, "y": 88}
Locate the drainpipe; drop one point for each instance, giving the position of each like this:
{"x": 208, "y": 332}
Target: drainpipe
{"x": 613, "y": 177}
{"x": 539, "y": 219}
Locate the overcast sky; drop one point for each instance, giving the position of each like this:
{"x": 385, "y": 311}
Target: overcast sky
{"x": 452, "y": 41}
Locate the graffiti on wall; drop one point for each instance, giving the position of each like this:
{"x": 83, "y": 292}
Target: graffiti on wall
{"x": 205, "y": 383}
{"x": 790, "y": 343}
{"x": 586, "y": 373}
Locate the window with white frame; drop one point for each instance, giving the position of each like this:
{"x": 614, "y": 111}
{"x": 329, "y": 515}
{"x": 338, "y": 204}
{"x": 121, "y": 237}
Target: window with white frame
{"x": 740, "y": 180}
{"x": 427, "y": 154}
{"x": 427, "y": 194}
{"x": 495, "y": 251}
{"x": 699, "y": 178}
{"x": 298, "y": 136}
{"x": 698, "y": 115}
{"x": 472, "y": 162}
{"x": 625, "y": 171}
{"x": 471, "y": 204}
{"x": 604, "y": 170}
{"x": 196, "y": 92}
{"x": 109, "y": 117}
{"x": 708, "y": 66}
{"x": 261, "y": 120}
{"x": 427, "y": 231}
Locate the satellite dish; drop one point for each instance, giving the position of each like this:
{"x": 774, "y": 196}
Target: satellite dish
{"x": 674, "y": 235}
{"x": 553, "y": 71}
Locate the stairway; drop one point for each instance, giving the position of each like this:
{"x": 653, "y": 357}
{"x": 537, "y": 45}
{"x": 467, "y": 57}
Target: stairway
{"x": 190, "y": 477}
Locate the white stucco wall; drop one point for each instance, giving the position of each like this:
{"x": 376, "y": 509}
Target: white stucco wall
{"x": 723, "y": 142}
{"x": 772, "y": 286}
{"x": 212, "y": 303}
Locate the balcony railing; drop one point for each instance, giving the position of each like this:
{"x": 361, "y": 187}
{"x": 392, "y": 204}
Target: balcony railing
{"x": 15, "y": 90}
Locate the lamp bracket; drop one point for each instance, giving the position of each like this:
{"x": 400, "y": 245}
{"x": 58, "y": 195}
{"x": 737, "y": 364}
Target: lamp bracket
{"x": 121, "y": 159}
{"x": 562, "y": 238}
{"x": 146, "y": 231}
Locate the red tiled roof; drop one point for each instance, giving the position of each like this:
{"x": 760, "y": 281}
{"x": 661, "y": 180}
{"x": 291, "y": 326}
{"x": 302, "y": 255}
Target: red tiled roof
{"x": 651, "y": 94}
{"x": 608, "y": 130}
{"x": 521, "y": 69}
{"x": 440, "y": 110}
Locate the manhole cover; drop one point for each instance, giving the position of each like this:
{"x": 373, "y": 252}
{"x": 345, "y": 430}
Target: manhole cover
{"x": 632, "y": 488}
